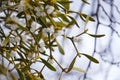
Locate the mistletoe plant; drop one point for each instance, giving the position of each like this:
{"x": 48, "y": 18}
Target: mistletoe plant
{"x": 28, "y": 34}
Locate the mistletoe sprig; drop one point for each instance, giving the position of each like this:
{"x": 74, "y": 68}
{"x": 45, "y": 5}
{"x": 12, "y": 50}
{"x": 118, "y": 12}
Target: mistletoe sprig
{"x": 33, "y": 27}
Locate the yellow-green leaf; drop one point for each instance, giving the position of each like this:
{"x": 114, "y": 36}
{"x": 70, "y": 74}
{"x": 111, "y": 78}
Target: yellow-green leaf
{"x": 62, "y": 16}
{"x": 60, "y": 48}
{"x": 78, "y": 69}
{"x": 91, "y": 58}
{"x": 48, "y": 65}
{"x": 71, "y": 65}
{"x": 73, "y": 22}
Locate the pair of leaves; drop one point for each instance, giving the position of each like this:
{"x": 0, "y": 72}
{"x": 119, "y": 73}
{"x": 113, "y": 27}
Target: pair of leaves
{"x": 48, "y": 65}
{"x": 71, "y": 67}
{"x": 86, "y": 17}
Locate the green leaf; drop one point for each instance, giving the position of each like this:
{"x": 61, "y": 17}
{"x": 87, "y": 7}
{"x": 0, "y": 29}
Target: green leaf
{"x": 70, "y": 24}
{"x": 85, "y": 1}
{"x": 78, "y": 69}
{"x": 91, "y": 58}
{"x": 73, "y": 22}
{"x": 71, "y": 65}
{"x": 63, "y": 17}
{"x": 65, "y": 3}
{"x": 59, "y": 25}
{"x": 48, "y": 65}
{"x": 96, "y": 35}
{"x": 60, "y": 48}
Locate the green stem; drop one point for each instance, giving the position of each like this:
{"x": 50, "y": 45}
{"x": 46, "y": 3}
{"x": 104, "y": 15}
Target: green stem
{"x": 58, "y": 64}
